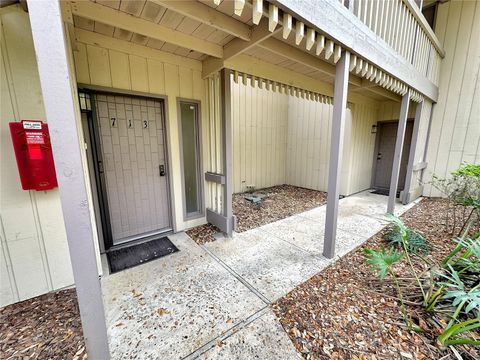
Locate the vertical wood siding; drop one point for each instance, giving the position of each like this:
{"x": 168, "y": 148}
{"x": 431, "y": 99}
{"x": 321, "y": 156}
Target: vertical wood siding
{"x": 308, "y": 140}
{"x": 285, "y": 139}
{"x": 34, "y": 256}
{"x": 455, "y": 131}
{"x": 361, "y": 146}
{"x": 390, "y": 110}
{"x": 259, "y": 136}
{"x": 115, "y": 65}
{"x": 309, "y": 125}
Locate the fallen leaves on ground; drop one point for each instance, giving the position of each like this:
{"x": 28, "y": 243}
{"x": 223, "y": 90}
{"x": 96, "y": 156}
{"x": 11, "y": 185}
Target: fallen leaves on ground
{"x": 45, "y": 327}
{"x": 343, "y": 313}
{"x": 203, "y": 234}
{"x": 279, "y": 202}
{"x": 163, "y": 311}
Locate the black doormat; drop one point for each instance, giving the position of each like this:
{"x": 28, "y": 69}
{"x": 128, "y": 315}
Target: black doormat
{"x": 130, "y": 256}
{"x": 385, "y": 192}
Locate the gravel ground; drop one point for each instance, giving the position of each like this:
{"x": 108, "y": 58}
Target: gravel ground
{"x": 279, "y": 202}
{"x": 45, "y": 327}
{"x": 344, "y": 312}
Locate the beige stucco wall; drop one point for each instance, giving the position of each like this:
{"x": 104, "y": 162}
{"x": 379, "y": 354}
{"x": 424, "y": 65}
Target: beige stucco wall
{"x": 455, "y": 129}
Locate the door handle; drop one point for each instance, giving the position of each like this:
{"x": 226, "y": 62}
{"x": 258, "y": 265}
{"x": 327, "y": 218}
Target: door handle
{"x": 379, "y": 156}
{"x": 161, "y": 169}
{"x": 100, "y": 167}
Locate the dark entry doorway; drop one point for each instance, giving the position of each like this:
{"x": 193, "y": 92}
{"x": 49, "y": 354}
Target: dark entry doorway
{"x": 384, "y": 152}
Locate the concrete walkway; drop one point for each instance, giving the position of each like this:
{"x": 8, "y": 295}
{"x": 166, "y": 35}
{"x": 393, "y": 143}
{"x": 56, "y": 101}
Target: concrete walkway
{"x": 212, "y": 301}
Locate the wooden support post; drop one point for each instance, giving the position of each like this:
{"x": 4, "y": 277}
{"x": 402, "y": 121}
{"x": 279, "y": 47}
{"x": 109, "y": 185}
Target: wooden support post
{"x": 225, "y": 95}
{"x": 411, "y": 155}
{"x": 336, "y": 148}
{"x": 402, "y": 125}
{"x": 57, "y": 82}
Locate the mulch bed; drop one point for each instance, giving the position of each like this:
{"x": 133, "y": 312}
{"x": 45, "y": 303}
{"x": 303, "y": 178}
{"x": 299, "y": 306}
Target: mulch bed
{"x": 344, "y": 312}
{"x": 337, "y": 314}
{"x": 203, "y": 234}
{"x": 45, "y": 327}
{"x": 280, "y": 201}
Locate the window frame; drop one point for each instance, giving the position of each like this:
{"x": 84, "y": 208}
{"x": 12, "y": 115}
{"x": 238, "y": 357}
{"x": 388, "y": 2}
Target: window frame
{"x": 198, "y": 146}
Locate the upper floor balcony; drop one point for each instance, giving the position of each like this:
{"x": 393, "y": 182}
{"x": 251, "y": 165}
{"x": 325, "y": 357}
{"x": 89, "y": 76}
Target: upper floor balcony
{"x": 386, "y": 38}
{"x": 391, "y": 44}
{"x": 402, "y": 26}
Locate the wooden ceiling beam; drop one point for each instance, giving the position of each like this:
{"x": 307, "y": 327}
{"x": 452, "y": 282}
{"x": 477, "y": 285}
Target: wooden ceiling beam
{"x": 259, "y": 34}
{"x": 209, "y": 16}
{"x": 120, "y": 19}
{"x": 373, "y": 87}
{"x": 238, "y": 46}
{"x": 382, "y": 92}
{"x": 290, "y": 52}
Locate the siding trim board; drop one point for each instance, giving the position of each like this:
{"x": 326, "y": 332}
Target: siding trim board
{"x": 200, "y": 181}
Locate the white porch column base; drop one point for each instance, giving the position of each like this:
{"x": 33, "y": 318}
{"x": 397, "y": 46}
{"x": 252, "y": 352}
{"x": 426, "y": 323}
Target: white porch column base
{"x": 58, "y": 95}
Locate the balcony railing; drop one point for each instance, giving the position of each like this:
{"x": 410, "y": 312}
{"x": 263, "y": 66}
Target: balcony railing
{"x": 403, "y": 27}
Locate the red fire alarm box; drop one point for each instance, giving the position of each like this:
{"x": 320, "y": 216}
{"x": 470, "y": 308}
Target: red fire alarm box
{"x": 33, "y": 151}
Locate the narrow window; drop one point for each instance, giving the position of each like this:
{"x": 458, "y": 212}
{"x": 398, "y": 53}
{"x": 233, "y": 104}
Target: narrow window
{"x": 189, "y": 125}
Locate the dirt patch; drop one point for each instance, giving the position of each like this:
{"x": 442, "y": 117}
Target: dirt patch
{"x": 279, "y": 202}
{"x": 45, "y": 327}
{"x": 341, "y": 314}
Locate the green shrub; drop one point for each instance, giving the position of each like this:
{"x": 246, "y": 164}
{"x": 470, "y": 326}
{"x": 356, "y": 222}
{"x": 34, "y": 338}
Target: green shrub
{"x": 468, "y": 170}
{"x": 462, "y": 189}
{"x": 452, "y": 294}
{"x": 416, "y": 243}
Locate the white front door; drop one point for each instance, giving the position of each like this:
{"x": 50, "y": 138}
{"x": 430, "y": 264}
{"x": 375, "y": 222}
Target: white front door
{"x": 133, "y": 165}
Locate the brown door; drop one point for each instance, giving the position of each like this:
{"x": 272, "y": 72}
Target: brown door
{"x": 386, "y": 138}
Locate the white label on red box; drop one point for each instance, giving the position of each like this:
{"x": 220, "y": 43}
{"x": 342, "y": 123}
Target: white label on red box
{"x": 32, "y": 125}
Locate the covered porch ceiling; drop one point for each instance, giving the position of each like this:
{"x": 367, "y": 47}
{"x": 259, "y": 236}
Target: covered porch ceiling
{"x": 205, "y": 31}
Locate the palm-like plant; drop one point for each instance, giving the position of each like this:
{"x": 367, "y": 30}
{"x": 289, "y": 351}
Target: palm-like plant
{"x": 404, "y": 240}
{"x": 463, "y": 300}
{"x": 382, "y": 261}
{"x": 455, "y": 284}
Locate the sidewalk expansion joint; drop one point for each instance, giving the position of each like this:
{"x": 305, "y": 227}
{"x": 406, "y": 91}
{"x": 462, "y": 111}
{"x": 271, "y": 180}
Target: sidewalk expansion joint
{"x": 237, "y": 276}
{"x": 234, "y": 329}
